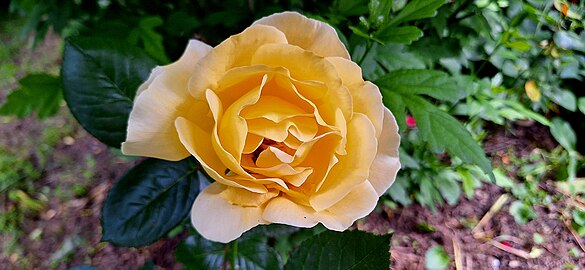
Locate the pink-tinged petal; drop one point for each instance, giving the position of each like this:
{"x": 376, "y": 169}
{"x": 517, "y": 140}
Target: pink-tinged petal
{"x": 218, "y": 220}
{"x": 161, "y": 99}
{"x": 386, "y": 164}
{"x": 308, "y": 34}
{"x": 358, "y": 203}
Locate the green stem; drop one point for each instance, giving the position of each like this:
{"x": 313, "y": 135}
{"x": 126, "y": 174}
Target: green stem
{"x": 234, "y": 253}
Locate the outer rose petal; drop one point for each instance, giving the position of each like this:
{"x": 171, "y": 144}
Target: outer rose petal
{"x": 309, "y": 34}
{"x": 218, "y": 220}
{"x": 386, "y": 164}
{"x": 357, "y": 204}
{"x": 161, "y": 99}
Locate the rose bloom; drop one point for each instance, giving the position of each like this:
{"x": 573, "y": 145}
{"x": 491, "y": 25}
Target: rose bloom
{"x": 280, "y": 118}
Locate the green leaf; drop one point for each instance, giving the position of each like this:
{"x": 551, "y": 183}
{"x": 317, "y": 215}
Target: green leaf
{"x": 342, "y": 250}
{"x": 563, "y": 133}
{"x": 521, "y": 212}
{"x": 448, "y": 186}
{"x": 151, "y": 40}
{"x": 582, "y": 104}
{"x": 436, "y": 84}
{"x": 197, "y": 253}
{"x": 579, "y": 217}
{"x": 379, "y": 12}
{"x": 441, "y": 130}
{"x": 395, "y": 103}
{"x": 100, "y": 79}
{"x": 399, "y": 191}
{"x": 400, "y": 35}
{"x": 436, "y": 258}
{"x": 417, "y": 9}
{"x": 150, "y": 200}
{"x": 393, "y": 57}
{"x": 41, "y": 93}
{"x": 565, "y": 98}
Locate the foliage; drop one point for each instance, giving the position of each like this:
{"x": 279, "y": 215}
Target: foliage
{"x": 437, "y": 258}
{"x": 449, "y": 66}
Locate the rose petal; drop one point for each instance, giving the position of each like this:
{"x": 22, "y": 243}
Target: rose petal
{"x": 198, "y": 143}
{"x": 284, "y": 211}
{"x": 353, "y": 168}
{"x": 367, "y": 98}
{"x": 386, "y": 164}
{"x": 358, "y": 203}
{"x": 235, "y": 51}
{"x": 308, "y": 34}
{"x": 162, "y": 98}
{"x": 218, "y": 220}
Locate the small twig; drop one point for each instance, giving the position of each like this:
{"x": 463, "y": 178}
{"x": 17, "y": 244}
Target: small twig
{"x": 493, "y": 210}
{"x": 457, "y": 252}
{"x": 574, "y": 233}
{"x": 515, "y": 251}
{"x": 468, "y": 262}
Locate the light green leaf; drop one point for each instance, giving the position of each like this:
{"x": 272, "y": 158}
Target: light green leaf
{"x": 151, "y": 39}
{"x": 417, "y": 9}
{"x": 436, "y": 258}
{"x": 399, "y": 35}
{"x": 449, "y": 188}
{"x": 342, "y": 250}
{"x": 395, "y": 103}
{"x": 569, "y": 41}
{"x": 393, "y": 57}
{"x": 579, "y": 217}
{"x": 582, "y": 104}
{"x": 521, "y": 212}
{"x": 441, "y": 130}
{"x": 563, "y": 133}
{"x": 519, "y": 45}
{"x": 502, "y": 180}
{"x": 565, "y": 98}
{"x": 436, "y": 84}
{"x": 398, "y": 191}
{"x": 41, "y": 93}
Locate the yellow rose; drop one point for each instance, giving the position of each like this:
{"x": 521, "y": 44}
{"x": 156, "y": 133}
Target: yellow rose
{"x": 280, "y": 118}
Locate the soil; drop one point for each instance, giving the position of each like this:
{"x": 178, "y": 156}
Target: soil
{"x": 73, "y": 224}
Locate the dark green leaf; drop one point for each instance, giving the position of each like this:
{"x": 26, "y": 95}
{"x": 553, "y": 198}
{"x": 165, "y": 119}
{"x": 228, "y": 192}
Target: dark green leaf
{"x": 436, "y": 258}
{"x": 563, "y": 133}
{"x": 342, "y": 250}
{"x": 395, "y": 103}
{"x": 436, "y": 84}
{"x": 100, "y": 79}
{"x": 417, "y": 9}
{"x": 41, "y": 93}
{"x": 400, "y": 35}
{"x": 197, "y": 253}
{"x": 441, "y": 130}
{"x": 150, "y": 200}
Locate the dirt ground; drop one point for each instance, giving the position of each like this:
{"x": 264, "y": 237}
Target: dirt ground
{"x": 66, "y": 232}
